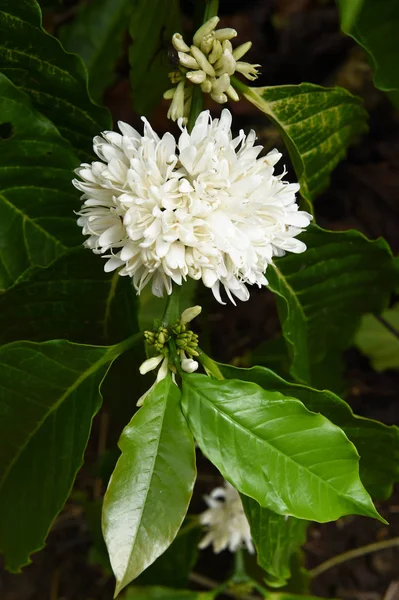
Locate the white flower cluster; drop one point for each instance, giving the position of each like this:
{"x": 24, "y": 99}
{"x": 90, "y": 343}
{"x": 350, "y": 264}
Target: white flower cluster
{"x": 225, "y": 519}
{"x": 207, "y": 207}
{"x": 209, "y": 62}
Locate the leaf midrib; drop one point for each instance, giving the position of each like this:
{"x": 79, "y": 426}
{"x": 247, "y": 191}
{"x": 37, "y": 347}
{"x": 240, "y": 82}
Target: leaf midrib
{"x": 165, "y": 403}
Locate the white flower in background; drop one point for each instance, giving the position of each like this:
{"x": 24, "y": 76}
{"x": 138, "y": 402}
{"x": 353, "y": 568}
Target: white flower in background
{"x": 205, "y": 207}
{"x": 225, "y": 519}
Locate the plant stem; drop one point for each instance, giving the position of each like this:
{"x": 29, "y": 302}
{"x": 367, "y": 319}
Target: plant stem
{"x": 197, "y": 103}
{"x": 209, "y": 365}
{"x": 211, "y": 9}
{"x": 357, "y": 552}
{"x": 239, "y": 566}
{"x": 172, "y": 310}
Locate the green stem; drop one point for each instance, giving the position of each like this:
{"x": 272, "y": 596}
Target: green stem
{"x": 197, "y": 103}
{"x": 211, "y": 9}
{"x": 172, "y": 310}
{"x": 356, "y": 553}
{"x": 239, "y": 567}
{"x": 209, "y": 365}
{"x": 240, "y": 86}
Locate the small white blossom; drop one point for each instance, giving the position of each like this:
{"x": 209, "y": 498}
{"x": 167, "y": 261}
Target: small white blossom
{"x": 225, "y": 519}
{"x": 205, "y": 207}
{"x": 149, "y": 365}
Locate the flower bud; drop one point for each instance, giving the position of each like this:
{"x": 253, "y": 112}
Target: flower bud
{"x": 150, "y": 364}
{"x": 241, "y": 50}
{"x": 202, "y": 60}
{"x": 189, "y": 365}
{"x": 219, "y": 98}
{"x": 179, "y": 44}
{"x": 175, "y": 76}
{"x": 207, "y": 43}
{"x": 196, "y": 76}
{"x": 226, "y": 63}
{"x": 188, "y": 61}
{"x": 189, "y": 314}
{"x": 206, "y": 86}
{"x": 168, "y": 95}
{"x": 216, "y": 53}
{"x": 204, "y": 30}
{"x": 232, "y": 94}
{"x": 227, "y": 45}
{"x": 221, "y": 84}
{"x": 176, "y": 108}
{"x": 225, "y": 34}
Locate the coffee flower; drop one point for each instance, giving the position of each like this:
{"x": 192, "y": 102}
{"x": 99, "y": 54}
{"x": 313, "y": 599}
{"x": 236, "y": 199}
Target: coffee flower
{"x": 226, "y": 522}
{"x": 209, "y": 62}
{"x": 206, "y": 207}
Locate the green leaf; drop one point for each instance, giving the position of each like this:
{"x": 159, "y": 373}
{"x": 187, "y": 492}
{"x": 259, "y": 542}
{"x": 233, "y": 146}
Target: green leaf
{"x": 37, "y": 199}
{"x": 164, "y": 593}
{"x": 374, "y": 26}
{"x": 378, "y": 339}
{"x": 151, "y": 28}
{"x": 49, "y": 394}
{"x": 350, "y": 11}
{"x": 317, "y": 125}
{"x": 43, "y": 305}
{"x": 150, "y": 490}
{"x": 271, "y": 448}
{"x": 173, "y": 567}
{"x": 377, "y": 444}
{"x": 97, "y": 34}
{"x": 276, "y": 539}
{"x": 322, "y": 294}
{"x": 55, "y": 80}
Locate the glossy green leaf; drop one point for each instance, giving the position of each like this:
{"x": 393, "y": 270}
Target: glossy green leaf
{"x": 271, "y": 448}
{"x": 49, "y": 394}
{"x": 276, "y": 539}
{"x": 322, "y": 294}
{"x": 150, "y": 490}
{"x": 377, "y": 444}
{"x": 165, "y": 593}
{"x": 44, "y": 305}
{"x": 173, "y": 567}
{"x": 151, "y": 28}
{"x": 374, "y": 26}
{"x": 350, "y": 11}
{"x": 317, "y": 124}
{"x": 55, "y": 80}
{"x": 37, "y": 199}
{"x": 378, "y": 339}
{"x": 97, "y": 33}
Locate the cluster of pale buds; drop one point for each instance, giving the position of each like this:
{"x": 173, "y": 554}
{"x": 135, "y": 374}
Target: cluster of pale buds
{"x": 209, "y": 62}
{"x": 186, "y": 342}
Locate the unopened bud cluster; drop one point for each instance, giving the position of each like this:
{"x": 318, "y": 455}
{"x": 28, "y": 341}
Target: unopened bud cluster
{"x": 186, "y": 339}
{"x": 158, "y": 338}
{"x": 209, "y": 62}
